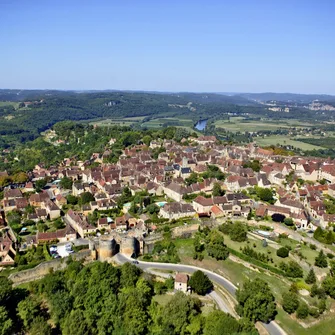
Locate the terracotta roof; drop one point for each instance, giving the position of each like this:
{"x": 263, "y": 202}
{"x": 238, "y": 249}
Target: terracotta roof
{"x": 181, "y": 278}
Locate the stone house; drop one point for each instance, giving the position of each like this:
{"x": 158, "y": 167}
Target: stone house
{"x": 176, "y": 210}
{"x": 180, "y": 282}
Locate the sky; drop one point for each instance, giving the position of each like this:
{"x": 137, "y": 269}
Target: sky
{"x": 169, "y": 45}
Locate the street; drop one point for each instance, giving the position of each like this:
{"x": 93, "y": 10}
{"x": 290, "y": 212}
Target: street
{"x": 271, "y": 327}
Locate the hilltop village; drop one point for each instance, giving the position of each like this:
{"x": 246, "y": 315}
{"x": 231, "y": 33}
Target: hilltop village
{"x": 129, "y": 200}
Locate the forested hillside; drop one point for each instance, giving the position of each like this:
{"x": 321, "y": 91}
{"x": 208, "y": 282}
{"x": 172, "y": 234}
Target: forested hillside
{"x": 102, "y": 299}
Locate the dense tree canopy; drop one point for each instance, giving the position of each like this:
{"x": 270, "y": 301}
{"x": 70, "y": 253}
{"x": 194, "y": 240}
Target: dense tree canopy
{"x": 256, "y": 301}
{"x": 215, "y": 246}
{"x": 200, "y": 283}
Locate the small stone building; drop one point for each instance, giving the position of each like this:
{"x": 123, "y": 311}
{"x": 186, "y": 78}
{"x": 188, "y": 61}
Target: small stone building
{"x": 180, "y": 282}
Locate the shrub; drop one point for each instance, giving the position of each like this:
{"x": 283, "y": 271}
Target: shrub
{"x": 282, "y": 252}
{"x": 290, "y": 302}
{"x": 321, "y": 260}
{"x": 302, "y": 311}
{"x": 311, "y": 278}
{"x": 314, "y": 312}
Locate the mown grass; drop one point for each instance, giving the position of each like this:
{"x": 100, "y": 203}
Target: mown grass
{"x": 284, "y": 140}
{"x": 237, "y": 273}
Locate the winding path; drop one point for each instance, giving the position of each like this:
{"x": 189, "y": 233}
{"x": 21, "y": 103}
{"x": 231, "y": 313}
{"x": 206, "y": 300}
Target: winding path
{"x": 273, "y": 328}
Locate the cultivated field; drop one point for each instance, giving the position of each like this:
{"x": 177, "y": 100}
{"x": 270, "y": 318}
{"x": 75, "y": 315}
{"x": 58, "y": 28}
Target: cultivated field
{"x": 284, "y": 140}
{"x": 235, "y": 124}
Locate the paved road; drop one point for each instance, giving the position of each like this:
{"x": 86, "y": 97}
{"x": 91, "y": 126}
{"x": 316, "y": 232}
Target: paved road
{"x": 223, "y": 307}
{"x": 271, "y": 327}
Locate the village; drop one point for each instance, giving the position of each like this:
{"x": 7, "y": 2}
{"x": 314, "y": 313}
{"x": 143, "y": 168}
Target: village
{"x": 203, "y": 179}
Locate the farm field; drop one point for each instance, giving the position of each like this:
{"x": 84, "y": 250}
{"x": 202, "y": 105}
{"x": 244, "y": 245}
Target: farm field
{"x": 235, "y": 124}
{"x": 9, "y": 103}
{"x": 157, "y": 123}
{"x": 284, "y": 140}
{"x": 120, "y": 122}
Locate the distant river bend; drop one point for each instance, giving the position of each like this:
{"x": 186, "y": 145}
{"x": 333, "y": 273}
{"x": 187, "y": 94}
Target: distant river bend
{"x": 201, "y": 125}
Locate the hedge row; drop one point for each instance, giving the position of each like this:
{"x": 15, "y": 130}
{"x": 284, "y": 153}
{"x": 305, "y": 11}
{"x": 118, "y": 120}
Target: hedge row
{"x": 257, "y": 262}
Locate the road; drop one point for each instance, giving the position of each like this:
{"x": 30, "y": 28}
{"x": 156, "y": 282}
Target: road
{"x": 272, "y": 327}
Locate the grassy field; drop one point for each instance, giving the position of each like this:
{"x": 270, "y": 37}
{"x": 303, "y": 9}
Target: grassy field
{"x": 157, "y": 123}
{"x": 284, "y": 140}
{"x": 238, "y": 273}
{"x": 120, "y": 122}
{"x": 235, "y": 124}
{"x": 9, "y": 103}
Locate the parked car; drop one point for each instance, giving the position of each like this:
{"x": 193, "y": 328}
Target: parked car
{"x": 135, "y": 262}
{"x": 56, "y": 255}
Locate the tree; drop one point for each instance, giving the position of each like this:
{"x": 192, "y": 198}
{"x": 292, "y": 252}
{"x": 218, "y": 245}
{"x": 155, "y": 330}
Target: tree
{"x": 39, "y": 326}
{"x": 40, "y": 184}
{"x": 152, "y": 208}
{"x": 311, "y": 278}
{"x": 265, "y": 194}
{"x": 28, "y": 309}
{"x": 302, "y": 311}
{"x": 200, "y": 283}
{"x": 329, "y": 238}
{"x": 176, "y": 316}
{"x": 328, "y": 285}
{"x": 256, "y": 301}
{"x": 58, "y": 224}
{"x": 129, "y": 275}
{"x": 292, "y": 269}
{"x": 6, "y": 324}
{"x": 255, "y": 165}
{"x": 220, "y": 323}
{"x": 217, "y": 190}
{"x": 180, "y": 134}
{"x": 288, "y": 222}
{"x": 75, "y": 324}
{"x": 282, "y": 252}
{"x": 86, "y": 198}
{"x": 66, "y": 183}
{"x": 191, "y": 179}
{"x": 5, "y": 290}
{"x": 318, "y": 234}
{"x": 238, "y": 232}
{"x": 215, "y": 246}
{"x": 71, "y": 199}
{"x": 5, "y": 181}
{"x": 146, "y": 140}
{"x": 20, "y": 177}
{"x": 321, "y": 260}
{"x": 290, "y": 302}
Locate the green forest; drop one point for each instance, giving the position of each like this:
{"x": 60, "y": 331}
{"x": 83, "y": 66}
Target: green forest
{"x": 21, "y": 122}
{"x": 102, "y": 299}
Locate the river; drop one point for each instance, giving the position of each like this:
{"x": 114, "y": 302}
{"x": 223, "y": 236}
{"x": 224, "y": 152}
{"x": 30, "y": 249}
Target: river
{"x": 201, "y": 125}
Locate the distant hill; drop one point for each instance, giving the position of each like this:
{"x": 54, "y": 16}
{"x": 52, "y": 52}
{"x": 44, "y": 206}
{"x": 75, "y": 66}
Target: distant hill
{"x": 288, "y": 97}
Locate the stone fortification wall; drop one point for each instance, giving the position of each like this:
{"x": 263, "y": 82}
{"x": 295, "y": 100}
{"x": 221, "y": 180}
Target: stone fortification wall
{"x": 44, "y": 268}
{"x": 184, "y": 230}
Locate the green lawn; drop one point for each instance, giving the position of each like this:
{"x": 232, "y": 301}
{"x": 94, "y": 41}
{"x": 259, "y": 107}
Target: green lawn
{"x": 238, "y": 273}
{"x": 284, "y": 140}
{"x": 242, "y": 124}
{"x": 157, "y": 123}
{"x": 163, "y": 299}
{"x": 9, "y": 103}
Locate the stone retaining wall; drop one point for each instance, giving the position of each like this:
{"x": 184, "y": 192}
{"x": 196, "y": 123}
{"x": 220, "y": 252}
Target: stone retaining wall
{"x": 44, "y": 268}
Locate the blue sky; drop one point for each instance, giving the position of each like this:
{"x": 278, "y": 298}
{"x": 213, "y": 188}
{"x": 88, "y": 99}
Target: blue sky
{"x": 169, "y": 45}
